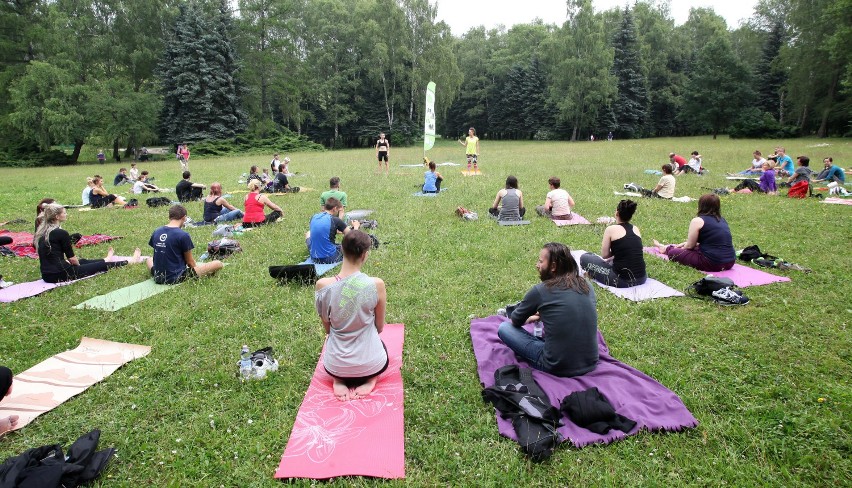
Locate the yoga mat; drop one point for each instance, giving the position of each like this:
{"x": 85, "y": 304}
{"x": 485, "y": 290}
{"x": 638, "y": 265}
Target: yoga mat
{"x": 94, "y": 239}
{"x": 362, "y": 437}
{"x": 421, "y": 165}
{"x": 471, "y": 173}
{"x": 18, "y": 238}
{"x": 742, "y": 276}
{"x": 421, "y": 194}
{"x": 53, "y": 381}
{"x": 839, "y": 201}
{"x": 448, "y": 163}
{"x": 123, "y": 297}
{"x": 358, "y": 214}
{"x": 24, "y": 251}
{"x": 513, "y": 222}
{"x": 577, "y": 219}
{"x": 31, "y": 289}
{"x": 627, "y": 193}
{"x": 742, "y": 177}
{"x": 321, "y": 268}
{"x": 649, "y": 290}
{"x": 632, "y": 393}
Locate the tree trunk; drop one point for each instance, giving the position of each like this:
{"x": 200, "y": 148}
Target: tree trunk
{"x": 823, "y": 126}
{"x": 75, "y": 155}
{"x": 574, "y": 133}
{"x": 115, "y": 155}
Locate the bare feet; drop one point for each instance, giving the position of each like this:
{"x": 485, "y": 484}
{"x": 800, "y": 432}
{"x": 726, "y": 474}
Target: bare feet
{"x": 366, "y": 388}
{"x": 661, "y": 247}
{"x": 341, "y": 391}
{"x": 8, "y": 423}
{"x": 110, "y": 254}
{"x": 137, "y": 256}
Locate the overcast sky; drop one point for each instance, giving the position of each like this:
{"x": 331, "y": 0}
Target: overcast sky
{"x": 461, "y": 15}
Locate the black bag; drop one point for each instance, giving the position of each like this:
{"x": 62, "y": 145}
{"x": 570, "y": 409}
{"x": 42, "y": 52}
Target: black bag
{"x": 750, "y": 184}
{"x": 707, "y": 285}
{"x": 751, "y": 253}
{"x": 375, "y": 241}
{"x": 131, "y": 203}
{"x": 223, "y": 248}
{"x": 301, "y": 273}
{"x": 518, "y": 397}
{"x": 158, "y": 202}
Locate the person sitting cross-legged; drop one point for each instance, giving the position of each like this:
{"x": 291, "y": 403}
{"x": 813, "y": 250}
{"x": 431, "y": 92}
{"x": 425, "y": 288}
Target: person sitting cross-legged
{"x": 509, "y": 202}
{"x": 558, "y": 203}
{"x": 217, "y": 208}
{"x": 352, "y": 307}
{"x": 172, "y": 261}
{"x": 254, "y": 204}
{"x": 621, "y": 263}
{"x": 565, "y": 304}
{"x": 187, "y": 191}
{"x": 708, "y": 245}
{"x": 431, "y": 179}
{"x": 325, "y": 226}
{"x": 143, "y": 186}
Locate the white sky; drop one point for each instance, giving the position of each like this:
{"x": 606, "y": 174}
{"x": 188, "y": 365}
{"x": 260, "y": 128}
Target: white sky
{"x": 461, "y": 15}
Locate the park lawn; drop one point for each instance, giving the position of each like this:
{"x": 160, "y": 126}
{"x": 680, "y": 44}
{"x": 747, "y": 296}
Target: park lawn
{"x": 769, "y": 382}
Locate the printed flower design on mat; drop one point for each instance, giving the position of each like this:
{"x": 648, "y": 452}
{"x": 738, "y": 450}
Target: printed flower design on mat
{"x": 317, "y": 437}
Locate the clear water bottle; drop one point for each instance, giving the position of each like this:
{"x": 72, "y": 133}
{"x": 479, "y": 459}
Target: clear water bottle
{"x": 245, "y": 363}
{"x": 538, "y": 329}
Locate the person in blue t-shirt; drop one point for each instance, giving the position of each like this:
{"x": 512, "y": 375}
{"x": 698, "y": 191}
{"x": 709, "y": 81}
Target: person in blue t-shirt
{"x": 173, "y": 262}
{"x": 832, "y": 172}
{"x": 324, "y": 229}
{"x": 784, "y": 163}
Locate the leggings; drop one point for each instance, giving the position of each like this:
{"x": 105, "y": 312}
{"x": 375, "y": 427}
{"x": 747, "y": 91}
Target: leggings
{"x": 270, "y": 217}
{"x": 601, "y": 271}
{"x": 695, "y": 259}
{"x": 87, "y": 267}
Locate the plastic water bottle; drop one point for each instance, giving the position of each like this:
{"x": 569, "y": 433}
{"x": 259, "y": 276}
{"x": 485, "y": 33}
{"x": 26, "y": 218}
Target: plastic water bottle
{"x": 245, "y": 363}
{"x": 538, "y": 329}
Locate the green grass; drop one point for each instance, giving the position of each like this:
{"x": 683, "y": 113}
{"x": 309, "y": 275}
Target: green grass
{"x": 752, "y": 375}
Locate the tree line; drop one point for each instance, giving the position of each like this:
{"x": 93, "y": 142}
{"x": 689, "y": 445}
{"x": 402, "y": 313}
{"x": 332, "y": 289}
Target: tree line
{"x": 127, "y": 73}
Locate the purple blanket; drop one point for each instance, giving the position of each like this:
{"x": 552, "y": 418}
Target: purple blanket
{"x": 633, "y": 394}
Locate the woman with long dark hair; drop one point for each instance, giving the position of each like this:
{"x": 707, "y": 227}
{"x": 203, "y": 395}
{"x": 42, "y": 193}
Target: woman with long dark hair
{"x": 708, "y": 245}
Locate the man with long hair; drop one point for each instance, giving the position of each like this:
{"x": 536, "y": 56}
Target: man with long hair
{"x": 564, "y": 303}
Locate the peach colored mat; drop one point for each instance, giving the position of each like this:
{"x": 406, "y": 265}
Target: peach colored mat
{"x": 53, "y": 381}
{"x": 356, "y": 438}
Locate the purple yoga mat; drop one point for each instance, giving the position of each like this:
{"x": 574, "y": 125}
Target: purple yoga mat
{"x": 577, "y": 219}
{"x": 742, "y": 276}
{"x": 634, "y": 394}
{"x": 30, "y": 289}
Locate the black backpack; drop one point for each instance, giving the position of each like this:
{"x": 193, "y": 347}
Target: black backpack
{"x": 707, "y": 285}
{"x": 300, "y": 273}
{"x": 158, "y": 202}
{"x": 749, "y": 183}
{"x": 751, "y": 253}
{"x": 519, "y": 398}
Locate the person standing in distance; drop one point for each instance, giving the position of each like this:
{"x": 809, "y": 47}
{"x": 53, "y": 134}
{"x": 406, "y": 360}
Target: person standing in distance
{"x": 383, "y": 152}
{"x": 471, "y": 143}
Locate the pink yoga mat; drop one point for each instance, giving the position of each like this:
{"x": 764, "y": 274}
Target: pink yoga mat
{"x": 742, "y": 276}
{"x": 649, "y": 290}
{"x": 577, "y": 219}
{"x": 356, "y": 438}
{"x": 839, "y": 201}
{"x": 30, "y": 289}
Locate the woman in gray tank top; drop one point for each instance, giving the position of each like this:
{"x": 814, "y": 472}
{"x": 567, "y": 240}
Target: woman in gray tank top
{"x": 352, "y": 306}
{"x": 512, "y": 202}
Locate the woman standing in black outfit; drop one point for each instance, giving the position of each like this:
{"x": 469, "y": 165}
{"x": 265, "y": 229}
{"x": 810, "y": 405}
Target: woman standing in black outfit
{"x": 621, "y": 263}
{"x": 56, "y": 254}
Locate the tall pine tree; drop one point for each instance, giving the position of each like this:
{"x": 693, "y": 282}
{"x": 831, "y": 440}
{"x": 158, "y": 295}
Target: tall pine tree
{"x": 201, "y": 93}
{"x": 631, "y": 106}
{"x": 770, "y": 77}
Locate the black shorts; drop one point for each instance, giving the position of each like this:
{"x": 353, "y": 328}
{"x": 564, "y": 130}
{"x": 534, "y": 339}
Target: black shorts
{"x": 383, "y": 156}
{"x": 188, "y": 274}
{"x": 353, "y": 382}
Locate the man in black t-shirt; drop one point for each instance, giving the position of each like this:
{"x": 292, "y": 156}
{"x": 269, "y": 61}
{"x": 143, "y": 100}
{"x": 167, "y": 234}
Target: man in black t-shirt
{"x": 188, "y": 191}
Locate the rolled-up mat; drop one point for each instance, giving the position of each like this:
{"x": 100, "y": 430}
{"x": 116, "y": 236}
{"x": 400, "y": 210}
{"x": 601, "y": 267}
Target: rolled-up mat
{"x": 742, "y": 276}
{"x": 123, "y": 297}
{"x": 632, "y": 393}
{"x": 576, "y": 219}
{"x": 51, "y": 382}
{"x": 362, "y": 437}
{"x": 649, "y": 290}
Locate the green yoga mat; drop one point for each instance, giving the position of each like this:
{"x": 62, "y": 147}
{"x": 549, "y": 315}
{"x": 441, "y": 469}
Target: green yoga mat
{"x": 118, "y": 299}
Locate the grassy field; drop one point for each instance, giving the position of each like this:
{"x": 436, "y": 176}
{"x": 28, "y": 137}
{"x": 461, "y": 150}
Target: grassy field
{"x": 768, "y": 382}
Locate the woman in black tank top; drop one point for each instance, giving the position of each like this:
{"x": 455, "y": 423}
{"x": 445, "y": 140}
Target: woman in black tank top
{"x": 621, "y": 263}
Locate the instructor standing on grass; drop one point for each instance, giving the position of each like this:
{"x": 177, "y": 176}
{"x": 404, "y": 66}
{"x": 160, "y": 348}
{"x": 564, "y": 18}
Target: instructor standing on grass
{"x": 471, "y": 143}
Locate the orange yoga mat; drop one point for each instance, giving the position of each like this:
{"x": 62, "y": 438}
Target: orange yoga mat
{"x": 51, "y": 382}
{"x": 356, "y": 438}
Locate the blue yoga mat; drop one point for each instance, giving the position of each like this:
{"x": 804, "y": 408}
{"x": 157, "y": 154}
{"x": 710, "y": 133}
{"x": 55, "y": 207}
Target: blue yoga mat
{"x": 321, "y": 268}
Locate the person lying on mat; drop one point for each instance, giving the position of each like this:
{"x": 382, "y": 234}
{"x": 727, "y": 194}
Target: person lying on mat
{"x": 708, "y": 245}
{"x": 102, "y": 198}
{"x": 186, "y": 190}
{"x": 9, "y": 422}
{"x": 254, "y": 204}
{"x": 217, "y": 208}
{"x": 432, "y": 180}
{"x": 56, "y": 254}
{"x": 172, "y": 261}
{"x": 565, "y": 304}
{"x": 323, "y": 232}
{"x": 558, "y": 203}
{"x": 512, "y": 202}
{"x": 621, "y": 263}
{"x": 352, "y": 307}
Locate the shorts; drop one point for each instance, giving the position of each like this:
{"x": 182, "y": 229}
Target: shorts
{"x": 471, "y": 158}
{"x": 188, "y": 273}
{"x": 353, "y": 382}
{"x": 383, "y": 156}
